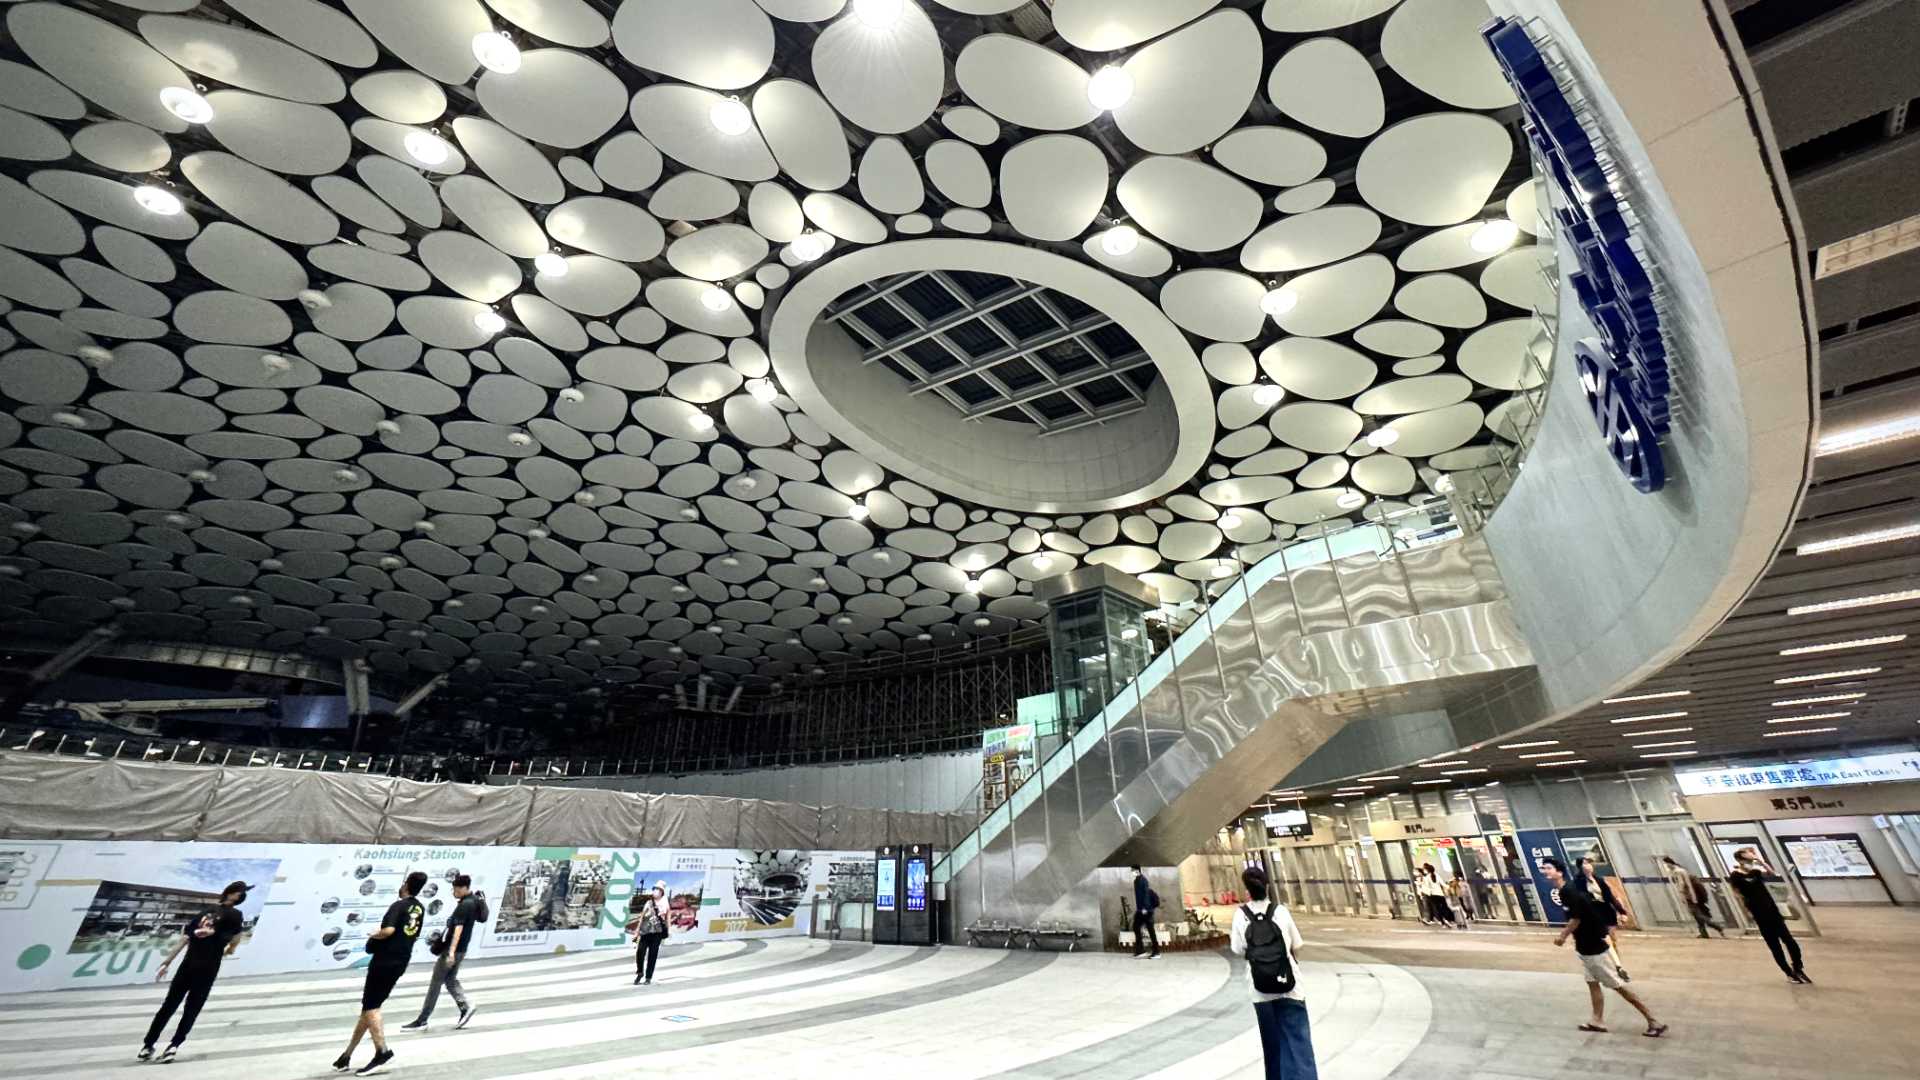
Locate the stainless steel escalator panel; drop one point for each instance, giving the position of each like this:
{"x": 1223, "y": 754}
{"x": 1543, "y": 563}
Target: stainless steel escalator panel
{"x": 1203, "y": 703}
{"x": 1162, "y": 716}
{"x": 1316, "y": 596}
{"x": 1372, "y": 589}
{"x": 1126, "y": 737}
{"x": 1094, "y": 769}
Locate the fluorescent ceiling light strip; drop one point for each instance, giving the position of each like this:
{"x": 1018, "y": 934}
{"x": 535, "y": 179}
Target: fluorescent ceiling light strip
{"x": 1800, "y": 731}
{"x": 1849, "y": 673}
{"x": 1865, "y": 435}
{"x": 1900, "y": 597}
{"x": 1391, "y": 777}
{"x": 1529, "y": 745}
{"x": 1806, "y": 717}
{"x": 1860, "y": 539}
{"x": 1433, "y": 781}
{"x": 1439, "y": 764}
{"x": 1655, "y": 731}
{"x": 1671, "y": 753}
{"x": 1836, "y": 646}
{"x": 1854, "y": 696}
{"x": 1550, "y": 764}
{"x": 1646, "y": 697}
{"x": 1658, "y": 745}
{"x": 1462, "y": 772}
{"x": 1647, "y": 716}
{"x": 1548, "y": 753}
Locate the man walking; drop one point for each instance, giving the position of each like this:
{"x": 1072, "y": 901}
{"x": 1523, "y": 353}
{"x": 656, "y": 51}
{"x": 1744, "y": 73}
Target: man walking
{"x": 1588, "y": 924}
{"x": 1145, "y": 903}
{"x": 1690, "y": 893}
{"x": 468, "y": 910}
{"x": 212, "y": 935}
{"x": 392, "y": 949}
{"x": 1749, "y": 879}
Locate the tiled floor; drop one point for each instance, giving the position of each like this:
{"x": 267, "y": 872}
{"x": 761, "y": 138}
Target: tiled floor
{"x": 1386, "y": 999}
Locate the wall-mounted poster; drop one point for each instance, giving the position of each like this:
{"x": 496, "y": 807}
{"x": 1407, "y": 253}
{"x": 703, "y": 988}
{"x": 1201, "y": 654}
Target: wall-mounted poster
{"x": 885, "y": 886}
{"x": 1837, "y": 855}
{"x": 916, "y": 884}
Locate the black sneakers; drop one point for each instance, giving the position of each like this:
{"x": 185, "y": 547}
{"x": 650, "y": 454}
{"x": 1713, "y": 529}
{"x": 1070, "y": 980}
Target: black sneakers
{"x": 465, "y": 1015}
{"x": 343, "y": 1062}
{"x": 417, "y": 1025}
{"x": 379, "y": 1062}
{"x": 145, "y": 1054}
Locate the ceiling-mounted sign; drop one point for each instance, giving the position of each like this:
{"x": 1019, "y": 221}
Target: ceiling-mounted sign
{"x": 1461, "y": 824}
{"x": 1623, "y": 371}
{"x": 1826, "y": 772}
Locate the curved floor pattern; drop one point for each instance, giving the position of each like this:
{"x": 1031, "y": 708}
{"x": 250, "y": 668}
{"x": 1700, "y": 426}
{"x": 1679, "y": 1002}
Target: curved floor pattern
{"x": 787, "y": 1007}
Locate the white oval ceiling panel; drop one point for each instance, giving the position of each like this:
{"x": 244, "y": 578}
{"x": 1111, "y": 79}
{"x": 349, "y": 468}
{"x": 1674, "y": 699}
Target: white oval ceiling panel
{"x": 718, "y": 252}
{"x": 1436, "y": 169}
{"x": 1400, "y": 337}
{"x": 1148, "y": 259}
{"x": 1188, "y": 203}
{"x": 243, "y": 58}
{"x": 1311, "y": 239}
{"x": 1419, "y": 365}
{"x": 887, "y": 81}
{"x": 1107, "y": 25}
{"x": 1329, "y": 86}
{"x": 1309, "y": 16}
{"x": 1507, "y": 355}
{"x": 844, "y": 218}
{"x": 99, "y": 61}
{"x": 959, "y": 172}
{"x": 606, "y": 226}
{"x": 1278, "y": 156}
{"x": 723, "y": 44}
{"x": 1024, "y": 83}
{"x": 1436, "y": 46}
{"x": 1172, "y": 112}
{"x": 1518, "y": 278}
{"x": 1335, "y": 299}
{"x": 404, "y": 97}
{"x": 1317, "y": 368}
{"x": 679, "y": 121}
{"x": 1228, "y": 362}
{"x": 1442, "y": 249}
{"x": 1053, "y": 186}
{"x": 1385, "y": 474}
{"x": 1418, "y": 394}
{"x": 694, "y": 196}
{"x": 1308, "y": 196}
{"x": 558, "y": 97}
{"x": 1217, "y": 304}
{"x": 1425, "y": 433}
{"x": 1443, "y": 300}
{"x": 889, "y": 179}
{"x": 1316, "y": 427}
{"x": 804, "y": 134}
{"x": 971, "y": 124}
{"x": 627, "y": 161}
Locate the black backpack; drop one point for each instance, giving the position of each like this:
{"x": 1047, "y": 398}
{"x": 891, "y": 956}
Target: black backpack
{"x": 1267, "y": 952}
{"x": 1153, "y": 900}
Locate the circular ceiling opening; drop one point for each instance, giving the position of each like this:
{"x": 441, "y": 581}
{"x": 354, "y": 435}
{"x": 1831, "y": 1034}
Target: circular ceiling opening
{"x": 997, "y": 373}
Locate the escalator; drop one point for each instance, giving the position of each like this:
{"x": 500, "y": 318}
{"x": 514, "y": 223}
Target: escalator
{"x": 1308, "y": 640}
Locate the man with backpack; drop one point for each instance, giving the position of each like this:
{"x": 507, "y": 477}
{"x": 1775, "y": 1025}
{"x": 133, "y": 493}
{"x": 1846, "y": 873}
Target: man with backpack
{"x": 1146, "y": 903}
{"x": 1264, "y": 933}
{"x": 1691, "y": 893}
{"x": 450, "y": 945}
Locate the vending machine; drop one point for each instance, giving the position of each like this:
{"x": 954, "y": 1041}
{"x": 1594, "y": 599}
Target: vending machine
{"x": 903, "y": 904}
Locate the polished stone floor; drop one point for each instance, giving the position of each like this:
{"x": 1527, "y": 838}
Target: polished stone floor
{"x": 1387, "y": 999}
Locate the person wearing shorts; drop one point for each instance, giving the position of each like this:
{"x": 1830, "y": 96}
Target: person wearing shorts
{"x": 392, "y": 949}
{"x": 1588, "y": 926}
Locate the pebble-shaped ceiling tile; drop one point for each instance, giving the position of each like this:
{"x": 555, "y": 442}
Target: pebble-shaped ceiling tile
{"x": 439, "y": 364}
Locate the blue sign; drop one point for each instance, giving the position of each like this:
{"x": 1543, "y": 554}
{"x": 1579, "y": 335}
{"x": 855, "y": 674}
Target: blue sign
{"x": 884, "y": 885}
{"x": 916, "y": 884}
{"x": 1537, "y": 844}
{"x": 1623, "y": 371}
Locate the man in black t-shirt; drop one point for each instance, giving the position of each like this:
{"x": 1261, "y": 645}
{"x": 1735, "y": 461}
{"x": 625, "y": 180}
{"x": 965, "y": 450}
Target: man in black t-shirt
{"x": 392, "y": 948}
{"x": 1588, "y": 924}
{"x": 1749, "y": 879}
{"x": 212, "y": 934}
{"x": 468, "y": 909}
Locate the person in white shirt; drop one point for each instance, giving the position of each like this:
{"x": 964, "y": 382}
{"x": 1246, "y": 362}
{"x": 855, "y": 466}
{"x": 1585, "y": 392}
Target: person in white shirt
{"x": 1285, "y": 1039}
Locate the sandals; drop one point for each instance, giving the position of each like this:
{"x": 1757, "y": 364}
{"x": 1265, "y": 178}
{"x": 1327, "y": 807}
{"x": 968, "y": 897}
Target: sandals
{"x": 1594, "y": 1028}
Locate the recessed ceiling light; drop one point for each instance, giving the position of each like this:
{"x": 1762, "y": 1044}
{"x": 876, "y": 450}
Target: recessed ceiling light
{"x": 551, "y": 263}
{"x": 186, "y": 104}
{"x": 1655, "y": 731}
{"x": 762, "y": 390}
{"x": 1529, "y": 745}
{"x": 1804, "y": 718}
{"x": 426, "y": 148}
{"x": 1230, "y": 520}
{"x": 1836, "y": 646}
{"x": 1120, "y": 240}
{"x": 1864, "y": 435}
{"x": 1221, "y": 570}
{"x": 496, "y": 52}
{"x": 1645, "y": 697}
{"x": 157, "y": 200}
{"x": 1042, "y": 562}
{"x": 808, "y": 247}
{"x": 700, "y": 421}
{"x": 1109, "y": 88}
{"x": 1658, "y": 745}
{"x": 1267, "y": 394}
{"x": 879, "y": 14}
{"x": 1854, "y": 696}
{"x": 1548, "y": 754}
{"x": 858, "y": 511}
{"x": 1440, "y": 764}
{"x": 973, "y": 585}
{"x": 715, "y": 298}
{"x": 1872, "y": 600}
{"x": 1462, "y": 772}
{"x": 1493, "y": 236}
{"x": 1278, "y": 302}
{"x": 1648, "y": 716}
{"x": 1556, "y": 764}
{"x": 1860, "y": 539}
{"x": 730, "y": 116}
{"x": 1382, "y": 437}
{"x": 489, "y": 322}
{"x": 1391, "y": 777}
{"x": 1671, "y": 753}
{"x": 1350, "y": 500}
{"x": 1799, "y": 731}
{"x": 1433, "y": 781}
{"x": 1849, "y": 673}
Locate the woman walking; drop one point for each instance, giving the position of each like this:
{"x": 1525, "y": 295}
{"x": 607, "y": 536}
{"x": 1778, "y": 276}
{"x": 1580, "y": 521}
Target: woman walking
{"x": 1264, "y": 933}
{"x": 649, "y": 912}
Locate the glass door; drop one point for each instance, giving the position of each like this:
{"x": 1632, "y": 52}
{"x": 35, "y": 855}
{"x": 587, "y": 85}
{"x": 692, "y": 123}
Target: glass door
{"x": 1393, "y": 857}
{"x": 1636, "y": 851}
